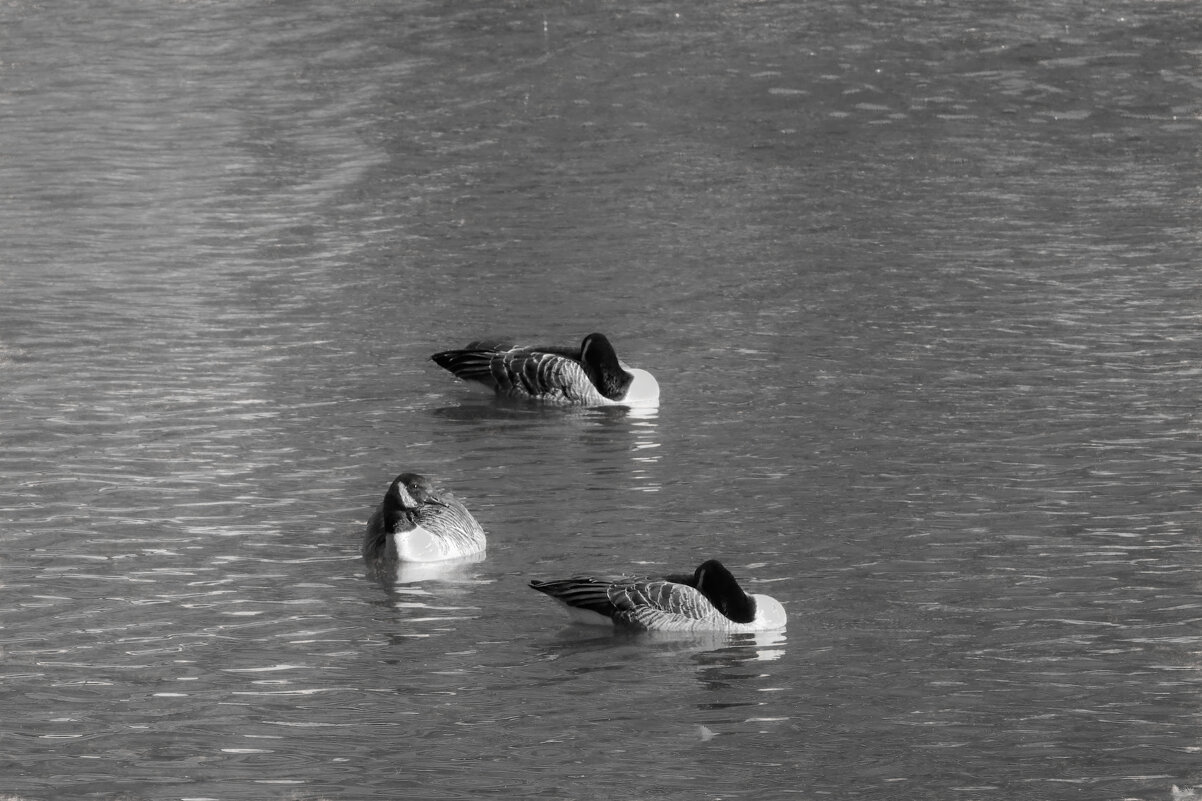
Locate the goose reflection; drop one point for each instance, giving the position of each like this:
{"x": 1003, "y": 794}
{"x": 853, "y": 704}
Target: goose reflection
{"x": 607, "y": 440}
{"x": 705, "y": 647}
{"x": 431, "y": 599}
{"x": 392, "y": 573}
{"x": 644, "y": 447}
{"x": 736, "y": 681}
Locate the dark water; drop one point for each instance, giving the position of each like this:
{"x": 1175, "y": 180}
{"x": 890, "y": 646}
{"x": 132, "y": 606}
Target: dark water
{"x": 919, "y": 281}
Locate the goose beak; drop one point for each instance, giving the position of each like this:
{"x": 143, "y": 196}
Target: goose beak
{"x": 434, "y": 500}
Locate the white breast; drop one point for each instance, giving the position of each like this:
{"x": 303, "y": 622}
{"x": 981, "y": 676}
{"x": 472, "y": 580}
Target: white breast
{"x": 643, "y": 390}
{"x": 421, "y": 545}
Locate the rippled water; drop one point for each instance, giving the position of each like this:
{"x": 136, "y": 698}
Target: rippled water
{"x": 919, "y": 282}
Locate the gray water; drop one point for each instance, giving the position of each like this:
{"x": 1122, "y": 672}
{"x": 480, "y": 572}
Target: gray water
{"x": 920, "y": 284}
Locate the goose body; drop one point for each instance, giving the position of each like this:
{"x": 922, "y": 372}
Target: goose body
{"x": 418, "y": 523}
{"x": 590, "y": 375}
{"x": 709, "y": 600}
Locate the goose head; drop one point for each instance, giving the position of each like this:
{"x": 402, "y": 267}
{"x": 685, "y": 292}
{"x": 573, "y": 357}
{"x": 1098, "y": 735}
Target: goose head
{"x": 613, "y": 379}
{"x": 718, "y": 585}
{"x": 406, "y": 495}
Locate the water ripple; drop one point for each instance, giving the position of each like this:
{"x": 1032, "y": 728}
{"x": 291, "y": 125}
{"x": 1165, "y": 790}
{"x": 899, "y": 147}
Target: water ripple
{"x": 921, "y": 286}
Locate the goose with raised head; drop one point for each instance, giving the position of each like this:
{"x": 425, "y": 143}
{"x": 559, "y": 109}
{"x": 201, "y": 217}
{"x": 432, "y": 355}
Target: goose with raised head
{"x": 417, "y": 522}
{"x": 708, "y": 600}
{"x": 589, "y": 375}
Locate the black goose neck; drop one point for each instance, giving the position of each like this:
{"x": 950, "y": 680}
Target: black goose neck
{"x": 601, "y": 364}
{"x": 717, "y": 584}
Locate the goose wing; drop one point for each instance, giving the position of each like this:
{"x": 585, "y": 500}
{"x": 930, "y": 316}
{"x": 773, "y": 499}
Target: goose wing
{"x": 448, "y": 519}
{"x": 642, "y": 603}
{"x": 659, "y": 604}
{"x": 520, "y": 371}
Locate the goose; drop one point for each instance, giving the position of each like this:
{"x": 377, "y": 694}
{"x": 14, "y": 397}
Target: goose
{"x": 417, "y": 523}
{"x": 708, "y": 600}
{"x": 589, "y": 375}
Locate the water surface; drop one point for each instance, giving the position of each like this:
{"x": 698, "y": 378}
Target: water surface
{"x": 919, "y": 283}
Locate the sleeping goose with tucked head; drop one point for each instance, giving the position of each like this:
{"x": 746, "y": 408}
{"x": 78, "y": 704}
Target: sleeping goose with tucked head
{"x": 589, "y": 375}
{"x": 708, "y": 600}
{"x": 418, "y": 523}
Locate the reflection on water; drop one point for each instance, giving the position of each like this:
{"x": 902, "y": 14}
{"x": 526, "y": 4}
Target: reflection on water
{"x": 433, "y": 609}
{"x": 610, "y": 441}
{"x": 739, "y": 647}
{"x": 714, "y": 684}
{"x": 391, "y": 573}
